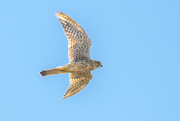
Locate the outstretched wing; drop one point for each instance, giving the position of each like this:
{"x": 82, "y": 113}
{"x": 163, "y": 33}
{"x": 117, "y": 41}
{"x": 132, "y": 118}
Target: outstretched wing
{"x": 77, "y": 82}
{"x": 79, "y": 42}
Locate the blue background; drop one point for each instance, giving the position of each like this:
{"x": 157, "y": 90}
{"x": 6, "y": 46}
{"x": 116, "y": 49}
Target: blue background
{"x": 137, "y": 41}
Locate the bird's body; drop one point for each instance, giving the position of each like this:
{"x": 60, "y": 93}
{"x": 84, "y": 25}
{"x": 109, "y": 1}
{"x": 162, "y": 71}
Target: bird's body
{"x": 81, "y": 64}
{"x": 72, "y": 67}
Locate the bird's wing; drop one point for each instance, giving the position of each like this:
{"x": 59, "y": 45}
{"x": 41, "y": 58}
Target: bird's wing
{"x": 77, "y": 82}
{"x": 79, "y": 42}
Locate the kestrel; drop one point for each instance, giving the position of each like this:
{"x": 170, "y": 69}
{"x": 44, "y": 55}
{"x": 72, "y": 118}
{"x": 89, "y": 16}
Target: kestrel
{"x": 80, "y": 64}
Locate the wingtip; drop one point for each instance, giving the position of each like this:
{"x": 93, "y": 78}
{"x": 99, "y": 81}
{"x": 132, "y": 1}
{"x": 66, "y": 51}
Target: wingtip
{"x": 58, "y": 14}
{"x": 64, "y": 97}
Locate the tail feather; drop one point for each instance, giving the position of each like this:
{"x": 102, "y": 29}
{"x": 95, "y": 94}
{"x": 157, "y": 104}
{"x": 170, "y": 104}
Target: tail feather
{"x": 53, "y": 71}
{"x": 43, "y": 73}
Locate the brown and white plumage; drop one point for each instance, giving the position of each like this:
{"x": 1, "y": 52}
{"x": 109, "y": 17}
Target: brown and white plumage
{"x": 77, "y": 82}
{"x": 79, "y": 42}
{"x": 80, "y": 65}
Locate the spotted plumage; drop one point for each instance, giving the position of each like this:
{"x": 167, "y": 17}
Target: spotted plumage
{"x": 80, "y": 64}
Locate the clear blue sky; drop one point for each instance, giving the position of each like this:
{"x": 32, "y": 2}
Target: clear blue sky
{"x": 137, "y": 41}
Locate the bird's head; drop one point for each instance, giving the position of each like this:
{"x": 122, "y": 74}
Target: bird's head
{"x": 98, "y": 64}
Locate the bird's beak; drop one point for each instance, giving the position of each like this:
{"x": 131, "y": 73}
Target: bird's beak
{"x": 101, "y": 65}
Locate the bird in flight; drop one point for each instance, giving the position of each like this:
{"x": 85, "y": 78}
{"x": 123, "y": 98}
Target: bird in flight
{"x": 80, "y": 64}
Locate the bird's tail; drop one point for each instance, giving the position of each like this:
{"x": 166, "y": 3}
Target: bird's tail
{"x": 58, "y": 70}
